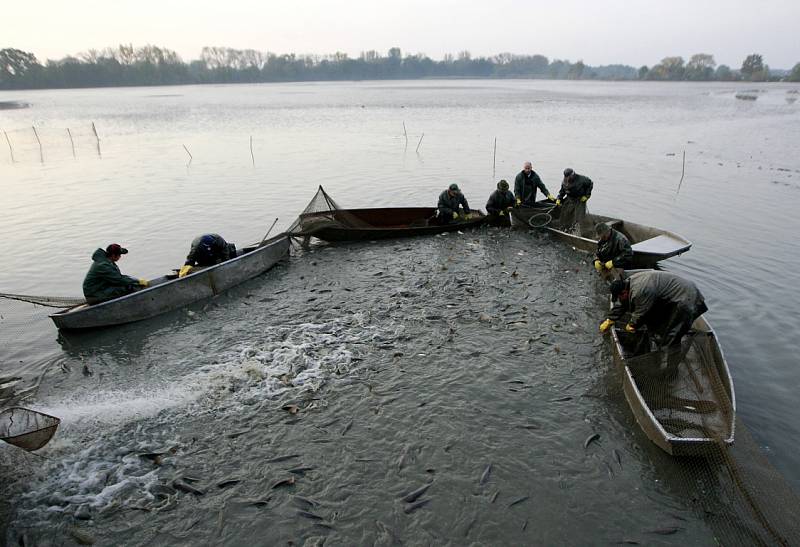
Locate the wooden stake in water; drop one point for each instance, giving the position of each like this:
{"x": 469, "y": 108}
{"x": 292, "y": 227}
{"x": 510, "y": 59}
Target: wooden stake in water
{"x": 72, "y": 142}
{"x": 405, "y": 133}
{"x": 494, "y": 159}
{"x": 683, "y": 171}
{"x": 41, "y": 152}
{"x": 252, "y": 157}
{"x": 10, "y": 148}
{"x": 190, "y": 154}
{"x": 96, "y": 136}
{"x": 420, "y": 142}
{"x": 263, "y": 239}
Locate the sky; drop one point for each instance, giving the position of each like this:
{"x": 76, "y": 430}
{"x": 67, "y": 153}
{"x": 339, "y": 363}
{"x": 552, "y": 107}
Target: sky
{"x": 633, "y": 32}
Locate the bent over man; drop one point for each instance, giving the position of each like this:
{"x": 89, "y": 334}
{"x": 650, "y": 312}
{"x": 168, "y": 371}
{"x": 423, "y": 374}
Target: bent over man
{"x": 207, "y": 250}
{"x": 575, "y": 192}
{"x": 449, "y": 201}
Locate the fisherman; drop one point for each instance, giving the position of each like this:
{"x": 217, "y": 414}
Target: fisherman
{"x": 525, "y": 186}
{"x": 449, "y": 200}
{"x": 575, "y": 192}
{"x": 663, "y": 302}
{"x": 500, "y": 203}
{"x": 104, "y": 281}
{"x": 614, "y": 253}
{"x": 207, "y": 250}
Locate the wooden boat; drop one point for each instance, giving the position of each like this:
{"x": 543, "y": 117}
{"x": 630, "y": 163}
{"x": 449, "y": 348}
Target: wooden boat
{"x": 379, "y": 223}
{"x": 169, "y": 292}
{"x": 27, "y": 429}
{"x": 689, "y": 412}
{"x": 650, "y": 245}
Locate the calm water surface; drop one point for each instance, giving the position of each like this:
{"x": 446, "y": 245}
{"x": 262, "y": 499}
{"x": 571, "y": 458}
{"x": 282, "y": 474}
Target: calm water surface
{"x": 146, "y": 388}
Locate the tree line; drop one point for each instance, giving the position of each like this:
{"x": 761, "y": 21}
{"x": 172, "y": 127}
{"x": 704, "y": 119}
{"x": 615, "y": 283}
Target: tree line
{"x": 127, "y": 65}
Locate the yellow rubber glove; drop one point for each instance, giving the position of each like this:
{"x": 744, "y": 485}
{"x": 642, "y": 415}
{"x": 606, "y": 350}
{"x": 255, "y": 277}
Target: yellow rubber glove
{"x": 502, "y": 213}
{"x": 584, "y": 198}
{"x": 598, "y": 265}
{"x": 185, "y": 270}
{"x": 455, "y": 215}
{"x": 605, "y": 325}
{"x": 144, "y": 283}
{"x": 558, "y": 203}
{"x": 609, "y": 264}
{"x": 551, "y": 197}
{"x": 630, "y": 328}
{"x": 519, "y": 202}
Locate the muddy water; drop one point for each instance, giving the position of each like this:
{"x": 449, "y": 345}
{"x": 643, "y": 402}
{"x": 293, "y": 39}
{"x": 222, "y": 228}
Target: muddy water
{"x": 302, "y": 406}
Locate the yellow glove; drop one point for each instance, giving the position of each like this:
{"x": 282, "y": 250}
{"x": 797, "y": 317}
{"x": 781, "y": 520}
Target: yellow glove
{"x": 605, "y": 325}
{"x": 609, "y": 264}
{"x": 144, "y": 283}
{"x": 584, "y": 198}
{"x": 455, "y": 215}
{"x": 502, "y": 213}
{"x": 598, "y": 265}
{"x": 185, "y": 270}
{"x": 630, "y": 328}
{"x": 551, "y": 197}
{"x": 558, "y": 203}
{"x": 519, "y": 202}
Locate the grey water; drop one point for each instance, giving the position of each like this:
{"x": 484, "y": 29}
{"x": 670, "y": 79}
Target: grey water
{"x": 398, "y": 380}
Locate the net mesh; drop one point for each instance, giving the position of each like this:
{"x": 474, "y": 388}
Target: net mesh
{"x": 322, "y": 211}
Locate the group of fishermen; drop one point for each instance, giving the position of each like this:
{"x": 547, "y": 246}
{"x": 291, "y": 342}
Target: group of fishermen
{"x": 665, "y": 303}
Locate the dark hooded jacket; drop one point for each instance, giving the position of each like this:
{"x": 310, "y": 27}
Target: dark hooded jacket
{"x": 616, "y": 248}
{"x": 653, "y": 295}
{"x": 449, "y": 204}
{"x": 104, "y": 281}
{"x": 499, "y": 201}
{"x": 208, "y": 250}
{"x": 525, "y": 186}
{"x": 577, "y": 188}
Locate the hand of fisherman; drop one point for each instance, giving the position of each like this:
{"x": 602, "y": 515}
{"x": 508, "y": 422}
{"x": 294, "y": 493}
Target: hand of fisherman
{"x": 519, "y": 202}
{"x": 558, "y": 203}
{"x": 551, "y": 197}
{"x": 185, "y": 270}
{"x": 584, "y": 198}
{"x": 598, "y": 265}
{"x": 502, "y": 213}
{"x": 455, "y": 215}
{"x": 605, "y": 325}
{"x": 609, "y": 265}
{"x": 144, "y": 283}
{"x": 630, "y": 328}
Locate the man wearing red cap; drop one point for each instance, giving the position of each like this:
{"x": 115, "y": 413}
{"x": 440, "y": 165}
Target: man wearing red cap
{"x": 104, "y": 281}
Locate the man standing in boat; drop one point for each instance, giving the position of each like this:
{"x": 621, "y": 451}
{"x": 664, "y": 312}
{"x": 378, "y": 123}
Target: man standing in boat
{"x": 449, "y": 201}
{"x": 500, "y": 203}
{"x": 614, "y": 253}
{"x": 525, "y": 185}
{"x": 575, "y": 192}
{"x": 207, "y": 250}
{"x": 104, "y": 281}
{"x": 663, "y": 302}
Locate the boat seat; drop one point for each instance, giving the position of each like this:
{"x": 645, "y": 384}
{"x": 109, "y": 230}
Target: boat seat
{"x": 660, "y": 244}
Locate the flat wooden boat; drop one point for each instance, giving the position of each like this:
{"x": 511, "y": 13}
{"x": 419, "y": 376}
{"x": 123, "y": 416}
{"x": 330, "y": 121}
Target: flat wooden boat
{"x": 379, "y": 223}
{"x": 170, "y": 292}
{"x": 650, "y": 245}
{"x": 689, "y": 410}
{"x": 27, "y": 429}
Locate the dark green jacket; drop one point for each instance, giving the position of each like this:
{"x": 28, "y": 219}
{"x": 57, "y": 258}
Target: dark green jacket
{"x": 653, "y": 294}
{"x": 104, "y": 281}
{"x": 499, "y": 201}
{"x": 208, "y": 250}
{"x": 525, "y": 187}
{"x": 449, "y": 205}
{"x": 577, "y": 188}
{"x": 617, "y": 248}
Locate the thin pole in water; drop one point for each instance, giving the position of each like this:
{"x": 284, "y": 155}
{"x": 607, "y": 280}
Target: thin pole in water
{"x": 420, "y": 142}
{"x": 405, "y": 133}
{"x": 41, "y": 152}
{"x": 10, "y": 149}
{"x": 494, "y": 159}
{"x": 72, "y": 142}
{"x": 251, "y": 151}
{"x": 96, "y": 136}
{"x": 190, "y": 154}
{"x": 268, "y": 231}
{"x": 683, "y": 171}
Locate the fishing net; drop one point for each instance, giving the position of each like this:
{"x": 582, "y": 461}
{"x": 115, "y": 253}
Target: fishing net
{"x": 39, "y": 144}
{"x": 322, "y": 211}
{"x": 27, "y": 429}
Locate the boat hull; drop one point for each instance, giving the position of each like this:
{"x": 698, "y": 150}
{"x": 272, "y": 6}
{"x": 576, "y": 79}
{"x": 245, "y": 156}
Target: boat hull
{"x": 169, "y": 292}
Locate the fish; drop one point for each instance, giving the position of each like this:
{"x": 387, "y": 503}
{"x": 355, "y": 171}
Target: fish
{"x": 608, "y": 468}
{"x": 412, "y": 496}
{"x": 189, "y": 489}
{"x": 518, "y": 500}
{"x": 283, "y": 482}
{"x": 665, "y": 531}
{"x": 306, "y": 502}
{"x": 617, "y": 457}
{"x": 300, "y": 470}
{"x": 237, "y": 433}
{"x": 529, "y": 426}
{"x": 309, "y": 515}
{"x": 494, "y": 496}
{"x": 283, "y": 458}
{"x": 347, "y": 427}
{"x": 228, "y": 482}
{"x": 81, "y": 537}
{"x": 561, "y": 399}
{"x": 414, "y": 506}
{"x": 485, "y": 475}
{"x": 590, "y": 439}
{"x": 524, "y": 526}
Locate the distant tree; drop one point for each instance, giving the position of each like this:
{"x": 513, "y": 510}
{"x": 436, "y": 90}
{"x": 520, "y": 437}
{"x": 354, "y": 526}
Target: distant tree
{"x": 753, "y": 67}
{"x": 794, "y": 75}
{"x": 643, "y": 70}
{"x": 700, "y": 67}
{"x": 575, "y": 71}
{"x": 15, "y": 64}
{"x": 724, "y": 74}
{"x": 670, "y": 68}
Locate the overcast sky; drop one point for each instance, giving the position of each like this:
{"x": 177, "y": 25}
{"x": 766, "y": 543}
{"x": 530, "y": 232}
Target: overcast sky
{"x": 634, "y": 32}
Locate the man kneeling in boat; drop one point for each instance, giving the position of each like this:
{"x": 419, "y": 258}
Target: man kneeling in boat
{"x": 663, "y": 302}
{"x": 614, "y": 253}
{"x": 104, "y": 281}
{"x": 207, "y": 250}
{"x": 449, "y": 201}
{"x": 500, "y": 203}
